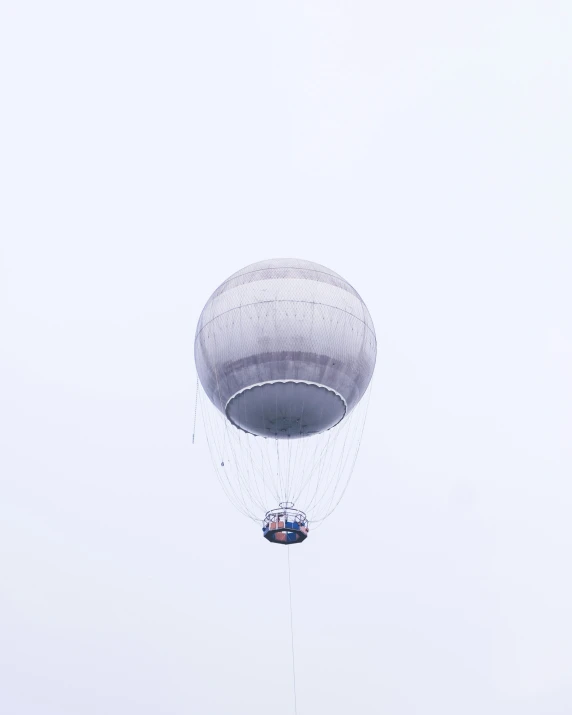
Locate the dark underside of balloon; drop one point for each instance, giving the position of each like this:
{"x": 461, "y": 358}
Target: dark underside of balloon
{"x": 286, "y": 409}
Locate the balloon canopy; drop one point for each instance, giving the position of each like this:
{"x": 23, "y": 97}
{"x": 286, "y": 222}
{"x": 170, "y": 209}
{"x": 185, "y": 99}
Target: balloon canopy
{"x": 285, "y": 349}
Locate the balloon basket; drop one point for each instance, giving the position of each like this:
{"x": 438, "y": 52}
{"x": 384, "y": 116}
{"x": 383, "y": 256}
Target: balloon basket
{"x": 285, "y": 525}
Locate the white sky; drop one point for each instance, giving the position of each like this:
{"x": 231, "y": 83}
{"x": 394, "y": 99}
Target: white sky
{"x": 422, "y": 150}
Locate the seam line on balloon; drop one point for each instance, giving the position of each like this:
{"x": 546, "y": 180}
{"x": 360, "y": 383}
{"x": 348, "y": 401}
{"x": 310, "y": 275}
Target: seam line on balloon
{"x": 308, "y": 302}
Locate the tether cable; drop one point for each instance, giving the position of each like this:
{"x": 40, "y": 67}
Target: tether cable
{"x": 292, "y": 633}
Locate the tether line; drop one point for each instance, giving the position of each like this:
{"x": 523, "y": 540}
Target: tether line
{"x": 292, "y": 633}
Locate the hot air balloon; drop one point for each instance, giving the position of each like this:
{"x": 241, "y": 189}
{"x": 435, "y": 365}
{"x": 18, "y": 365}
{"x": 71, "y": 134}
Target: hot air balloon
{"x": 285, "y": 350}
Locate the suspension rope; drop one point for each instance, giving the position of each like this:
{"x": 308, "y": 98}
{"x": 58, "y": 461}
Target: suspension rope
{"x": 196, "y": 403}
{"x": 292, "y": 633}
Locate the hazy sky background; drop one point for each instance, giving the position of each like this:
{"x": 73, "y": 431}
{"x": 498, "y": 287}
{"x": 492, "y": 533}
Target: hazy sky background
{"x": 421, "y": 149}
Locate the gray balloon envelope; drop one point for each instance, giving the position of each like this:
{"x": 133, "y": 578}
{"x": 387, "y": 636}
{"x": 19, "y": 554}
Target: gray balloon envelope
{"x": 285, "y": 348}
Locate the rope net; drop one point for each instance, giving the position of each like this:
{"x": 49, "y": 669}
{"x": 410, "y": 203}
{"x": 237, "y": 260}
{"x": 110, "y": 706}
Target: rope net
{"x": 258, "y": 473}
{"x": 285, "y": 350}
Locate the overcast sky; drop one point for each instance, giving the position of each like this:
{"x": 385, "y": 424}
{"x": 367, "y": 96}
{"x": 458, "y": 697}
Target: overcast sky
{"x": 422, "y": 150}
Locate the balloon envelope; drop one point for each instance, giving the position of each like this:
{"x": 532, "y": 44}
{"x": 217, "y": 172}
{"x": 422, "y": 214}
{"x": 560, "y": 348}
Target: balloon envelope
{"x": 285, "y": 348}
